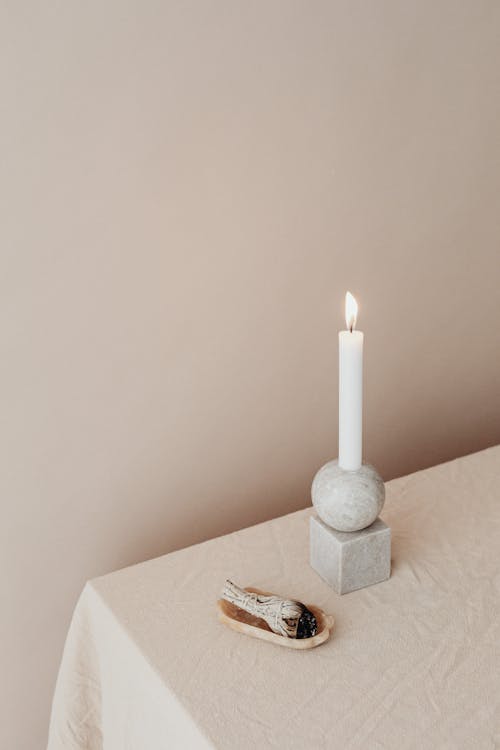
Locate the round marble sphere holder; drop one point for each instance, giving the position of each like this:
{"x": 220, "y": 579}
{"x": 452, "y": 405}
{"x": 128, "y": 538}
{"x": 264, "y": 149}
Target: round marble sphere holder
{"x": 350, "y": 547}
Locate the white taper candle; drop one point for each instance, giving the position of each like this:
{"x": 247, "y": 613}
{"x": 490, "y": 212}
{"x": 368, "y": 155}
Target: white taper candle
{"x": 350, "y": 391}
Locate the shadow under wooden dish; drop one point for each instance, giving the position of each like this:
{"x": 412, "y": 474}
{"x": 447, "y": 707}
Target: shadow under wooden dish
{"x": 243, "y": 622}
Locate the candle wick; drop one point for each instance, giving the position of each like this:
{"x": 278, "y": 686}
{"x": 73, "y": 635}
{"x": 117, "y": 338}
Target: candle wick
{"x": 350, "y": 328}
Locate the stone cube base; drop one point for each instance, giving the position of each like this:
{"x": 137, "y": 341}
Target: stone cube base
{"x": 350, "y": 560}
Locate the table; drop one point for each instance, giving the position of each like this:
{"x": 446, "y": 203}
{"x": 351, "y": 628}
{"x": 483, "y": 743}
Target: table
{"x": 414, "y": 662}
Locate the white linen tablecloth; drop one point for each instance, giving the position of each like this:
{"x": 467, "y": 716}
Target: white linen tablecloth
{"x": 414, "y": 662}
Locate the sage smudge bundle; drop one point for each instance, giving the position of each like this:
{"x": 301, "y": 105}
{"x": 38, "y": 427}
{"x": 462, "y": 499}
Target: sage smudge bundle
{"x": 285, "y": 617}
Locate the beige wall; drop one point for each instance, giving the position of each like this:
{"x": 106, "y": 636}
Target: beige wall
{"x": 187, "y": 190}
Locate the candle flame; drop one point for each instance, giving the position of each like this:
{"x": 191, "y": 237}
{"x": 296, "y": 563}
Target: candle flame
{"x": 351, "y": 311}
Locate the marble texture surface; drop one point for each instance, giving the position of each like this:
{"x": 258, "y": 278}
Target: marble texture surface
{"x": 347, "y": 500}
{"x": 348, "y": 561}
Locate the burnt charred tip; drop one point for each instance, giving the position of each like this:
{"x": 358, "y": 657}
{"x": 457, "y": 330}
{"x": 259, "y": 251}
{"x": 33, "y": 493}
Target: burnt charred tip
{"x": 307, "y": 626}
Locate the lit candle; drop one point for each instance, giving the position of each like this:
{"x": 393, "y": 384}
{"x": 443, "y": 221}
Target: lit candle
{"x": 350, "y": 390}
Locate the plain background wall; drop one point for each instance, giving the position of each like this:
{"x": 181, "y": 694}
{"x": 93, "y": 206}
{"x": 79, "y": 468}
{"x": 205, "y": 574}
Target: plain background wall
{"x": 187, "y": 189}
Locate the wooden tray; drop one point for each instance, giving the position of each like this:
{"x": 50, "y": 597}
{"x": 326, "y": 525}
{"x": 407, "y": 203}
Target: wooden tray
{"x": 237, "y": 619}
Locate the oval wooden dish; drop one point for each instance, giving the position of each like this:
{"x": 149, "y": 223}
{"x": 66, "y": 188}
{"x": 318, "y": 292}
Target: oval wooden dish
{"x": 241, "y": 621}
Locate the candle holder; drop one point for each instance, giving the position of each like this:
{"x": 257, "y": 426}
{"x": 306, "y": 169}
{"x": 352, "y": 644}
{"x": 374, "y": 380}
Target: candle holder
{"x": 350, "y": 545}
